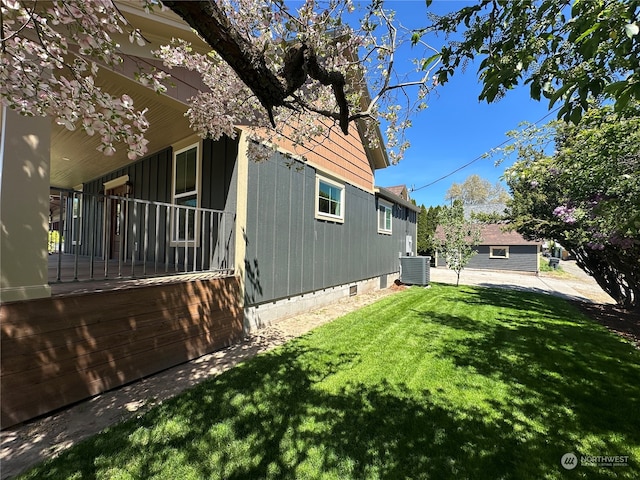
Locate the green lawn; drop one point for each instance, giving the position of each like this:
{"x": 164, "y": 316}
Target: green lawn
{"x": 435, "y": 383}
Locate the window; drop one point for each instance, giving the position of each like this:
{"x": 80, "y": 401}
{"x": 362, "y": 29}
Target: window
{"x": 330, "y": 200}
{"x": 186, "y": 181}
{"x": 385, "y": 217}
{"x": 498, "y": 252}
{"x": 76, "y": 220}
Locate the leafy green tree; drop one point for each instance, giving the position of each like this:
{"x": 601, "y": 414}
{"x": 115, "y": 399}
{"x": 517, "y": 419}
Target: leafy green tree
{"x": 565, "y": 50}
{"x": 476, "y": 190}
{"x": 586, "y": 195}
{"x": 427, "y": 224}
{"x": 456, "y": 238}
{"x": 486, "y": 218}
{"x": 422, "y": 234}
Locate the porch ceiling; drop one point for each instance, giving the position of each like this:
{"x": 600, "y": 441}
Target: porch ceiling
{"x": 74, "y": 158}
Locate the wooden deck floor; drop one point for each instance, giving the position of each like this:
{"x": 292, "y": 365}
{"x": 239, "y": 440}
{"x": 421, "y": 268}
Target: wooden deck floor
{"x": 67, "y": 275}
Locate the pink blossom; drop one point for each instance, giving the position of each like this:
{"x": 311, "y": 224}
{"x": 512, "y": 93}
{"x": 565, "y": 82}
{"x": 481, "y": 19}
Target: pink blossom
{"x": 109, "y": 150}
{"x": 41, "y": 75}
{"x": 623, "y": 242}
{"x": 565, "y": 214}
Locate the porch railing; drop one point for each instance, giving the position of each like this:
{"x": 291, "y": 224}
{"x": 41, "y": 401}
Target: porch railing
{"x": 96, "y": 236}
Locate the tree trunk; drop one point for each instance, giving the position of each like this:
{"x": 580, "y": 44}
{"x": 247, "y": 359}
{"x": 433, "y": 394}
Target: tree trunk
{"x": 616, "y": 271}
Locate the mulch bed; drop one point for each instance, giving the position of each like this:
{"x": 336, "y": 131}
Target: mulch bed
{"x": 623, "y": 322}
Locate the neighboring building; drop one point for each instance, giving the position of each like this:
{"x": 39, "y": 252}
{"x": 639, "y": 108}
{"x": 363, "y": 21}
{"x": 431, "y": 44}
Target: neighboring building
{"x": 253, "y": 242}
{"x": 400, "y": 191}
{"x": 503, "y": 249}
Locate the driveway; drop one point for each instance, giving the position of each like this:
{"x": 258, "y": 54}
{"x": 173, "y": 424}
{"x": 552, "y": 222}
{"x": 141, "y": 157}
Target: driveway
{"x": 572, "y": 283}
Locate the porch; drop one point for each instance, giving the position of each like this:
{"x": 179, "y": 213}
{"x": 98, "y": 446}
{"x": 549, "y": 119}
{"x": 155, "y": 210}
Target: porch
{"x": 62, "y": 349}
{"x": 86, "y": 275}
{"x": 101, "y": 242}
{"x": 137, "y": 287}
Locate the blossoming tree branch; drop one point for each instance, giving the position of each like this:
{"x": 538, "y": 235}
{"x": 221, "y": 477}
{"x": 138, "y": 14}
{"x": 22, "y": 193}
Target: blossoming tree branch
{"x": 586, "y": 194}
{"x": 271, "y": 64}
{"x": 267, "y": 65}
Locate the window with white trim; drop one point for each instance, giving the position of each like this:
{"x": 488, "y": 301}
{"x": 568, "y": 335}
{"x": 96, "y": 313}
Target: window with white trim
{"x": 385, "y": 217}
{"x": 498, "y": 252}
{"x": 76, "y": 214}
{"x": 329, "y": 200}
{"x": 186, "y": 188}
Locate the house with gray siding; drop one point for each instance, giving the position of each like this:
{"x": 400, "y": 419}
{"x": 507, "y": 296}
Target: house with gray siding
{"x": 299, "y": 256}
{"x": 115, "y": 269}
{"x": 307, "y": 220}
{"x": 502, "y": 249}
{"x": 310, "y": 234}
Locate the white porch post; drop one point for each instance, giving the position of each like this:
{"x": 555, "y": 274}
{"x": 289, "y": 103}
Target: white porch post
{"x": 242, "y": 166}
{"x": 24, "y": 206}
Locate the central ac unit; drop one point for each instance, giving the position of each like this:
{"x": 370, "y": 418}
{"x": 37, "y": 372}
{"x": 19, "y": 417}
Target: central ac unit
{"x": 415, "y": 270}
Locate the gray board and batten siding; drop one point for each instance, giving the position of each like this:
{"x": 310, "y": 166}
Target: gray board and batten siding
{"x": 522, "y": 258}
{"x": 289, "y": 252}
{"x": 151, "y": 179}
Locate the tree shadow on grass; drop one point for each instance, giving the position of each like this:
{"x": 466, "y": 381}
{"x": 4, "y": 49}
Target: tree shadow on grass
{"x": 570, "y": 388}
{"x": 514, "y": 300}
{"x": 271, "y": 417}
{"x": 565, "y": 372}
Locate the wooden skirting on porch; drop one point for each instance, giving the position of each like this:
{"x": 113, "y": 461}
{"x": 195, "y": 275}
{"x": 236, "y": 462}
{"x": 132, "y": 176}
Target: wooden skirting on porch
{"x": 57, "y": 351}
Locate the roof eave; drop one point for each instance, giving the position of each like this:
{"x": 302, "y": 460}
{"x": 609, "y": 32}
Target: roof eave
{"x": 387, "y": 194}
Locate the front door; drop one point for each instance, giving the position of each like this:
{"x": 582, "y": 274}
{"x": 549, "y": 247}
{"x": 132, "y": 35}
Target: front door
{"x": 116, "y": 210}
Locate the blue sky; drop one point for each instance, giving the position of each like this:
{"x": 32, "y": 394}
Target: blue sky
{"x": 456, "y": 128}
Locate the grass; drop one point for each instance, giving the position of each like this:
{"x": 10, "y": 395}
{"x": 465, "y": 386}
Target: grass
{"x": 558, "y": 272}
{"x": 435, "y": 383}
{"x": 545, "y": 267}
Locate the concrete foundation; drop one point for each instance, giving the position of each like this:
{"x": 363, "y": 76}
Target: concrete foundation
{"x": 265, "y": 314}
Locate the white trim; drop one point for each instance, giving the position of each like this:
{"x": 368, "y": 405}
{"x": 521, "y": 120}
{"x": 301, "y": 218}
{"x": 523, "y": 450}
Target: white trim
{"x": 116, "y": 182}
{"x": 198, "y": 188}
{"x": 325, "y": 170}
{"x": 392, "y": 197}
{"x": 186, "y": 142}
{"x": 76, "y": 214}
{"x": 386, "y": 205}
{"x": 327, "y": 216}
{"x": 27, "y": 292}
{"x": 505, "y": 248}
{"x": 240, "y": 227}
